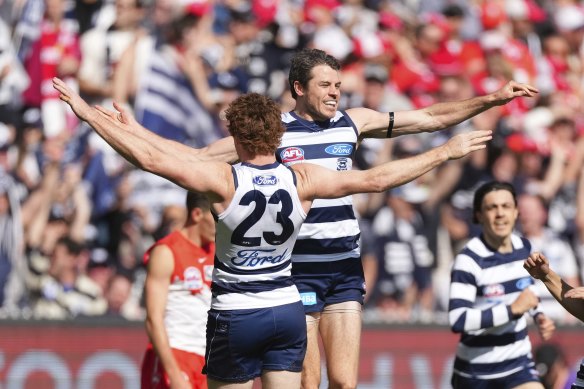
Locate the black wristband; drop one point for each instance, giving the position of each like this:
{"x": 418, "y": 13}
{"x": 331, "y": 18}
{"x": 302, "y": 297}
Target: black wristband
{"x": 390, "y": 125}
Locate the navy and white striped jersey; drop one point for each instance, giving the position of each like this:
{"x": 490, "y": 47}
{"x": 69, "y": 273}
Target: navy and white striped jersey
{"x": 254, "y": 240}
{"x": 330, "y": 231}
{"x": 484, "y": 284}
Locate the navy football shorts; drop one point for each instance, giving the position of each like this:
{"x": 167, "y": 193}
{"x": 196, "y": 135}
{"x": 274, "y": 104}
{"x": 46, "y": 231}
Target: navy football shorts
{"x": 242, "y": 343}
{"x": 325, "y": 283}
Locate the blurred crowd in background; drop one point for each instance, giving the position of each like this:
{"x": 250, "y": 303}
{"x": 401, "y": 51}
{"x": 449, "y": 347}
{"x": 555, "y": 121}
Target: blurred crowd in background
{"x": 76, "y": 219}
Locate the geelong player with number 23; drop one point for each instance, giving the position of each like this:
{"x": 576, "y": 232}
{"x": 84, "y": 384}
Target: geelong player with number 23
{"x": 256, "y": 325}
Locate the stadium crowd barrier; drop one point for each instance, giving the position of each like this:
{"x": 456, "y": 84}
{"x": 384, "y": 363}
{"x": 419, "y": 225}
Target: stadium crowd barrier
{"x": 106, "y": 354}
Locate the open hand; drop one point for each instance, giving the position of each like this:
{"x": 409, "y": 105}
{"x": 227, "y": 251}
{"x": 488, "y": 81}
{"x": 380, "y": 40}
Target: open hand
{"x": 512, "y": 90}
{"x": 77, "y": 104}
{"x": 120, "y": 115}
{"x": 463, "y": 144}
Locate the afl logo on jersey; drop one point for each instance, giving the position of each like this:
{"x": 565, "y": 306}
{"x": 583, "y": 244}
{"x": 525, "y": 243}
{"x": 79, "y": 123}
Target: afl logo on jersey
{"x": 493, "y": 290}
{"x": 265, "y": 180}
{"x": 340, "y": 149}
{"x": 193, "y": 278}
{"x": 292, "y": 154}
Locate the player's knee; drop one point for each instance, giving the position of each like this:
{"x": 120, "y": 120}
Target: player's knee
{"x": 342, "y": 383}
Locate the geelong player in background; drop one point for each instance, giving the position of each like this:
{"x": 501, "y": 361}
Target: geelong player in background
{"x": 256, "y": 325}
{"x": 178, "y": 296}
{"x": 489, "y": 295}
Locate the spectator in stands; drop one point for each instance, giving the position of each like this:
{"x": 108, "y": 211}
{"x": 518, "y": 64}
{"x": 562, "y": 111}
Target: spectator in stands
{"x": 28, "y": 145}
{"x": 102, "y": 49}
{"x": 12, "y": 260}
{"x": 402, "y": 288}
{"x": 579, "y": 222}
{"x": 118, "y": 296}
{"x": 55, "y": 53}
{"x": 64, "y": 291}
{"x": 532, "y": 223}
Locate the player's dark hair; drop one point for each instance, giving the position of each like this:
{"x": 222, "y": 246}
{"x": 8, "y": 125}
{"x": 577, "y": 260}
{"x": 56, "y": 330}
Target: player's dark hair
{"x": 197, "y": 200}
{"x": 302, "y": 64}
{"x": 486, "y": 188}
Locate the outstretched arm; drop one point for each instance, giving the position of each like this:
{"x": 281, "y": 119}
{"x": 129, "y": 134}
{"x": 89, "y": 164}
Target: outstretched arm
{"x": 572, "y": 299}
{"x": 317, "y": 182}
{"x": 150, "y": 152}
{"x": 373, "y": 124}
{"x": 115, "y": 125}
{"x": 221, "y": 150}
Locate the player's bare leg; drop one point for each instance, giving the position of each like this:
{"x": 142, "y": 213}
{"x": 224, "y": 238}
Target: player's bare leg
{"x": 530, "y": 385}
{"x": 280, "y": 380}
{"x": 340, "y": 329}
{"x": 213, "y": 384}
{"x": 311, "y": 364}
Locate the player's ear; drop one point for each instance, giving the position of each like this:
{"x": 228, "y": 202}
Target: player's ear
{"x": 196, "y": 214}
{"x": 298, "y": 88}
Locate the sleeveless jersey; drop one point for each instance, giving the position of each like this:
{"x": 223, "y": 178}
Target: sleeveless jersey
{"x": 189, "y": 294}
{"x": 255, "y": 236}
{"x": 330, "y": 231}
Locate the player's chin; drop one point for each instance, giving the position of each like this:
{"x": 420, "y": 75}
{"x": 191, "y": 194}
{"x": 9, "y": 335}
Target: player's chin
{"x": 328, "y": 112}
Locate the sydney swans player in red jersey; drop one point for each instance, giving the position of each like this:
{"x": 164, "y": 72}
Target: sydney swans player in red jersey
{"x": 178, "y": 296}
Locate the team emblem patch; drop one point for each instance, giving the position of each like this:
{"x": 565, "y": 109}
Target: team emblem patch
{"x": 339, "y": 149}
{"x": 292, "y": 154}
{"x": 193, "y": 278}
{"x": 493, "y": 290}
{"x": 342, "y": 164}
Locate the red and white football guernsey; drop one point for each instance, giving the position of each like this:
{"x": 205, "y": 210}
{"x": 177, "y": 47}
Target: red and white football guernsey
{"x": 189, "y": 294}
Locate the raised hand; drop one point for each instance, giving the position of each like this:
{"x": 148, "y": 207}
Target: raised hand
{"x": 537, "y": 265}
{"x": 120, "y": 114}
{"x": 77, "y": 104}
{"x": 463, "y": 144}
{"x": 512, "y": 90}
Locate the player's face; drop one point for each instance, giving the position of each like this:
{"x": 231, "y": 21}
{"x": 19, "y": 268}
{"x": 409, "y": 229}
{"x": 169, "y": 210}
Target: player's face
{"x": 498, "y": 214}
{"x": 322, "y": 93}
{"x": 207, "y": 227}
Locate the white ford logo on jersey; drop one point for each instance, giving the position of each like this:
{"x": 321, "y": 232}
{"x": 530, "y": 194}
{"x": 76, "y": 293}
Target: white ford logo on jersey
{"x": 340, "y": 149}
{"x": 253, "y": 258}
{"x": 265, "y": 180}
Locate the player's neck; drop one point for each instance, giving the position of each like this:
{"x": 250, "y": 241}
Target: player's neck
{"x": 501, "y": 245}
{"x": 192, "y": 233}
{"x": 260, "y": 160}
